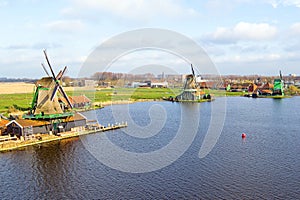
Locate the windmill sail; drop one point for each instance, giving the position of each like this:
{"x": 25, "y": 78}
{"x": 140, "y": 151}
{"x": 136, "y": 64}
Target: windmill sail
{"x": 56, "y": 80}
{"x": 45, "y": 69}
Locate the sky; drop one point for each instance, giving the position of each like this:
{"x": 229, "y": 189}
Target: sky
{"x": 242, "y": 37}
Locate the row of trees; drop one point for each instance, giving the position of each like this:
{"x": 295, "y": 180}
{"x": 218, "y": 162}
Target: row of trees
{"x": 110, "y": 76}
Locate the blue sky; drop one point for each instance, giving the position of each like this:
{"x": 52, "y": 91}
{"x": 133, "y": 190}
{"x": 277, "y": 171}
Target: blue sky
{"x": 240, "y": 36}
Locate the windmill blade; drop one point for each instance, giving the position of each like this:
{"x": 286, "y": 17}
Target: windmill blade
{"x": 52, "y": 72}
{"x": 61, "y": 73}
{"x": 45, "y": 69}
{"x": 280, "y": 74}
{"x": 194, "y": 77}
{"x": 65, "y": 96}
{"x": 197, "y": 70}
{"x": 54, "y": 92}
{"x": 193, "y": 72}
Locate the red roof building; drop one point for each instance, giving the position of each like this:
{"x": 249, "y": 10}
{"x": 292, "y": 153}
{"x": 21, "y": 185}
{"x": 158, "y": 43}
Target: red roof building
{"x": 267, "y": 86}
{"x": 252, "y": 88}
{"x": 78, "y": 101}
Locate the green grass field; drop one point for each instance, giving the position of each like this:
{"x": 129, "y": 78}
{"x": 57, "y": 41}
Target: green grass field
{"x": 9, "y": 102}
{"x": 117, "y": 94}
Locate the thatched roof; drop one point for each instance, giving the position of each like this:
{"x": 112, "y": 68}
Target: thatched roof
{"x": 26, "y": 122}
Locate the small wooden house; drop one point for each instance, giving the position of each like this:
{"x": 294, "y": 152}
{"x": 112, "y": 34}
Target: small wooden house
{"x": 267, "y": 86}
{"x": 266, "y": 89}
{"x": 252, "y": 88}
{"x": 78, "y": 120}
{"x": 78, "y": 101}
{"x": 24, "y": 127}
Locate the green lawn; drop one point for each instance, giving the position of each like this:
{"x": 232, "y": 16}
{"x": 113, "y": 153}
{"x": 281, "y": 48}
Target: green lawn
{"x": 8, "y": 101}
{"x": 23, "y": 101}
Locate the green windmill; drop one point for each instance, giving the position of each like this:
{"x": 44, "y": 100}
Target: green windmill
{"x": 278, "y": 86}
{"x": 45, "y": 104}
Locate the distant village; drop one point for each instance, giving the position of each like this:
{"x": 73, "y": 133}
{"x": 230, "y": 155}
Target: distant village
{"x": 233, "y": 83}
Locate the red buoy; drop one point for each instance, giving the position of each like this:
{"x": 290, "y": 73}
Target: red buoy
{"x": 243, "y": 135}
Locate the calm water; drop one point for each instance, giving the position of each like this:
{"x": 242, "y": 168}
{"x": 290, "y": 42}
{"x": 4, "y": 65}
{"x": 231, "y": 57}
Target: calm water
{"x": 265, "y": 165}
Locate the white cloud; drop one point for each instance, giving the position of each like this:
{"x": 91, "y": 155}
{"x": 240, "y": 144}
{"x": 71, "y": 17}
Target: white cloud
{"x": 254, "y": 31}
{"x": 250, "y": 58}
{"x": 292, "y": 2}
{"x": 295, "y": 29}
{"x": 243, "y": 31}
{"x": 276, "y": 3}
{"x": 32, "y": 46}
{"x": 133, "y": 9}
{"x": 221, "y": 5}
{"x": 3, "y": 3}
{"x": 65, "y": 26}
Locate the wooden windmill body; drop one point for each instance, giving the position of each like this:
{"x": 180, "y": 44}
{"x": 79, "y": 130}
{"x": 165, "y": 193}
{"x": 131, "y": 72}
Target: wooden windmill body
{"x": 191, "y": 91}
{"x": 45, "y": 104}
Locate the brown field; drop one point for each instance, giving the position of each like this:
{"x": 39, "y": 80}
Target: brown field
{"x": 21, "y": 87}
{"x": 12, "y": 88}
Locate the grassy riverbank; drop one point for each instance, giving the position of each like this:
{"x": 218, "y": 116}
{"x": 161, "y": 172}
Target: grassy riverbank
{"x": 21, "y": 101}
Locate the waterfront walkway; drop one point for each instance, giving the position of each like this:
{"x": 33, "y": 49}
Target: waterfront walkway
{"x": 9, "y": 144}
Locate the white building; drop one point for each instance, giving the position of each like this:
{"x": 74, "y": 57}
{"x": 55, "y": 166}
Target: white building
{"x": 90, "y": 83}
{"x": 159, "y": 85}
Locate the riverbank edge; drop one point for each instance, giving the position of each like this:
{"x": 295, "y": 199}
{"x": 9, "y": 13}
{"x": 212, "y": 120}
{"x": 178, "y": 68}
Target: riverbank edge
{"x": 61, "y": 137}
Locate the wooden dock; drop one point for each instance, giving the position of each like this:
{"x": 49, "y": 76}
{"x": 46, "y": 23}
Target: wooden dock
{"x": 11, "y": 143}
